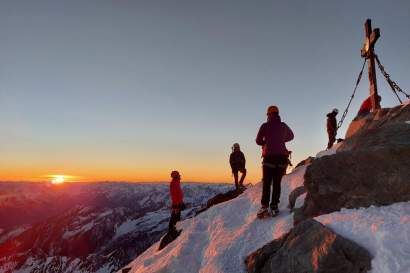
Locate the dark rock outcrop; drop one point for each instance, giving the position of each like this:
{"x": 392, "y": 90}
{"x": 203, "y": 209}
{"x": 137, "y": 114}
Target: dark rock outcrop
{"x": 382, "y": 118}
{"x": 305, "y": 161}
{"x": 372, "y": 167}
{"x": 310, "y": 247}
{"x": 220, "y": 198}
{"x": 294, "y": 195}
{"x": 387, "y": 127}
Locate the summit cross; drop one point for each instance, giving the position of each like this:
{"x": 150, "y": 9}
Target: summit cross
{"x": 368, "y": 52}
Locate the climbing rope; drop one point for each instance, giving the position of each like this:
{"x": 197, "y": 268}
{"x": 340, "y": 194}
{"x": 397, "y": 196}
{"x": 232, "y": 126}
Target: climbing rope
{"x": 392, "y": 84}
{"x": 352, "y": 96}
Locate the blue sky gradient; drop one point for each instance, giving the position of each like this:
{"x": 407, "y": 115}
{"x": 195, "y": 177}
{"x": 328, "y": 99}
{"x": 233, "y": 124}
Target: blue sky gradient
{"x": 129, "y": 90}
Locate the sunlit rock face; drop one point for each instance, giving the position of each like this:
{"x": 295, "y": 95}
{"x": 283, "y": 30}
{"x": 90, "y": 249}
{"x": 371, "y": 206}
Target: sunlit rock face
{"x": 310, "y": 247}
{"x": 382, "y": 118}
{"x": 370, "y": 168}
{"x": 85, "y": 227}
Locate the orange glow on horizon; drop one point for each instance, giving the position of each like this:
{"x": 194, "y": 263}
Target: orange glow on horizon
{"x": 150, "y": 177}
{"x": 217, "y": 171}
{"x": 210, "y": 167}
{"x": 61, "y": 178}
{"x": 189, "y": 173}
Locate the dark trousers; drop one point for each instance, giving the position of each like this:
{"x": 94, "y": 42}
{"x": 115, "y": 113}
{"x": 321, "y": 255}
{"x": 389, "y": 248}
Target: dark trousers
{"x": 175, "y": 217}
{"x": 274, "y": 167}
{"x": 332, "y": 139}
{"x": 235, "y": 175}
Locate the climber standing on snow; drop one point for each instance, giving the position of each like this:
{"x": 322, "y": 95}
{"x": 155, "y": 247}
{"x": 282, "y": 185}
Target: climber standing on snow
{"x": 177, "y": 200}
{"x": 237, "y": 162}
{"x": 272, "y": 136}
{"x": 331, "y": 127}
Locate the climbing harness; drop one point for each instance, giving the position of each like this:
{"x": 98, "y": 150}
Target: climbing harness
{"x": 394, "y": 86}
{"x": 274, "y": 166}
{"x": 352, "y": 96}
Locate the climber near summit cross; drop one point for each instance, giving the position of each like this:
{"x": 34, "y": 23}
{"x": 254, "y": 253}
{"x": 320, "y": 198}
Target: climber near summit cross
{"x": 237, "y": 162}
{"x": 366, "y": 107}
{"x": 177, "y": 197}
{"x": 331, "y": 127}
{"x": 272, "y": 136}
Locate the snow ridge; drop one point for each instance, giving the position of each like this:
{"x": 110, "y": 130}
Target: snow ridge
{"x": 219, "y": 239}
{"x": 100, "y": 228}
{"x": 384, "y": 231}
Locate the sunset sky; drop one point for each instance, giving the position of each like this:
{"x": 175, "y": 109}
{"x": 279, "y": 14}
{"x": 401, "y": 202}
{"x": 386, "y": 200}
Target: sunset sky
{"x": 130, "y": 90}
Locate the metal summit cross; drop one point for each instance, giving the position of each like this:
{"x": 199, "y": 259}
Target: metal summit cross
{"x": 368, "y": 52}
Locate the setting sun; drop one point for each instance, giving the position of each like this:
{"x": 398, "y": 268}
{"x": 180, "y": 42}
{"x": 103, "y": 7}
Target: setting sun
{"x": 59, "y": 179}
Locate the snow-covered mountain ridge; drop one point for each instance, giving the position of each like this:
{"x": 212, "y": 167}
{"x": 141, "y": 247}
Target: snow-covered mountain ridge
{"x": 219, "y": 239}
{"x": 222, "y": 237}
{"x": 82, "y": 227}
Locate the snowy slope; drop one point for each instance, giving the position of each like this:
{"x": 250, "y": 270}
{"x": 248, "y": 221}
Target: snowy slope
{"x": 93, "y": 227}
{"x": 219, "y": 239}
{"x": 383, "y": 231}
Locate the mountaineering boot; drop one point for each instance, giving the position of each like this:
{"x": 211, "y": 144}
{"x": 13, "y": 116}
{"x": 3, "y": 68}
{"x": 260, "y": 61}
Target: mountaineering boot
{"x": 263, "y": 212}
{"x": 274, "y": 210}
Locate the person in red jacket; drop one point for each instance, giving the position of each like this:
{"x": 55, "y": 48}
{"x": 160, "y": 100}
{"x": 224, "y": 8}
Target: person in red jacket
{"x": 366, "y": 106}
{"x": 177, "y": 198}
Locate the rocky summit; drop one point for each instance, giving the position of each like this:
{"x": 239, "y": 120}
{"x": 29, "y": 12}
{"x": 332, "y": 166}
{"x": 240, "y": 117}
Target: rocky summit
{"x": 309, "y": 247}
{"x": 372, "y": 167}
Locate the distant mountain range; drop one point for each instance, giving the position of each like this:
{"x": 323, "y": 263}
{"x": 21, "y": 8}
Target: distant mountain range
{"x": 86, "y": 227}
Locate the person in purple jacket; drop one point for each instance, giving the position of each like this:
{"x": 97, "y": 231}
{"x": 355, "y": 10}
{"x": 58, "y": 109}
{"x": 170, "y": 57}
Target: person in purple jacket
{"x": 272, "y": 136}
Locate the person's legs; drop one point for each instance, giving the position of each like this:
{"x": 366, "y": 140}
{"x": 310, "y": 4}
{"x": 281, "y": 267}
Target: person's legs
{"x": 235, "y": 175}
{"x": 178, "y": 217}
{"x": 175, "y": 217}
{"x": 267, "y": 182}
{"x": 332, "y": 139}
{"x": 276, "y": 186}
{"x": 243, "y": 171}
{"x": 172, "y": 221}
